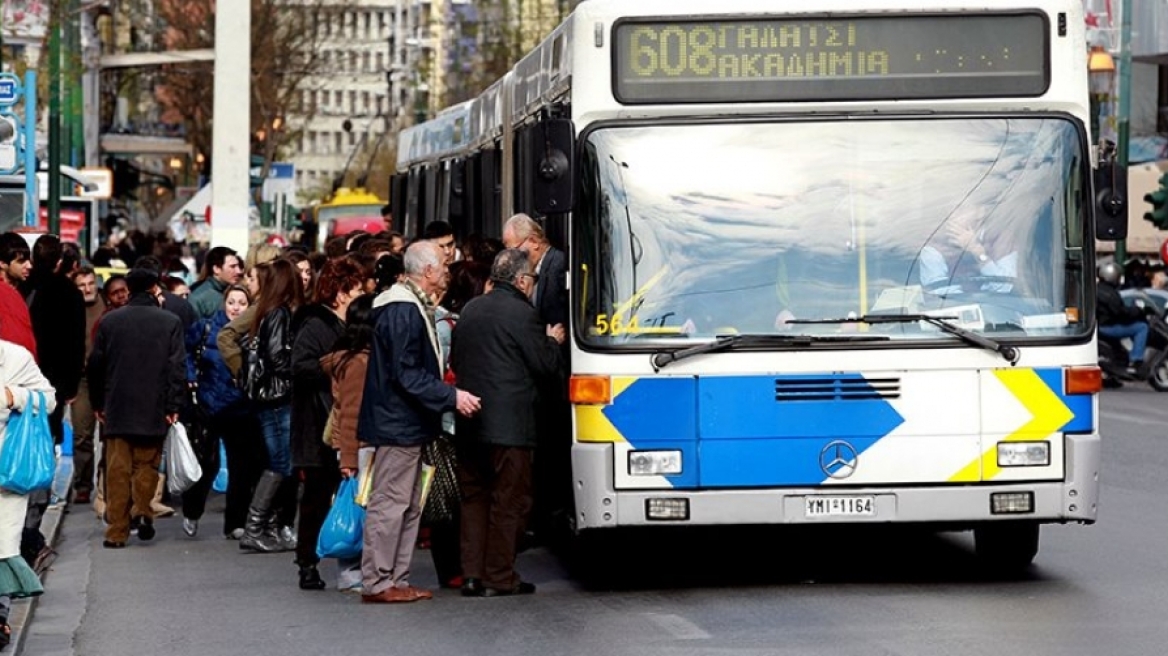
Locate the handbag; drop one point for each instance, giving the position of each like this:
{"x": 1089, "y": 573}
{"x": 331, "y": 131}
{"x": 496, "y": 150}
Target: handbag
{"x": 343, "y": 532}
{"x": 330, "y": 428}
{"x": 443, "y": 497}
{"x": 220, "y": 483}
{"x": 182, "y": 466}
{"x": 27, "y": 461}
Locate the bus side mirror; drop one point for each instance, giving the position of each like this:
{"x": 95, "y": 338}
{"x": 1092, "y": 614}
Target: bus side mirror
{"x": 553, "y": 151}
{"x": 1110, "y": 202}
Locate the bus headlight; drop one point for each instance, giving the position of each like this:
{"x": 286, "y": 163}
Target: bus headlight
{"x": 1023, "y": 454}
{"x": 654, "y": 463}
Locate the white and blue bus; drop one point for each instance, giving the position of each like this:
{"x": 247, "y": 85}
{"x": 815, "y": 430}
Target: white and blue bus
{"x": 830, "y": 262}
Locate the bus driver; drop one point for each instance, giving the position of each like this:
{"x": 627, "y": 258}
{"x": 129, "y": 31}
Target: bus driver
{"x": 964, "y": 252}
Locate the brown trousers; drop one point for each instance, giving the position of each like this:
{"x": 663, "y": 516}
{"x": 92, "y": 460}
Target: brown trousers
{"x": 496, "y": 500}
{"x": 131, "y": 476}
{"x": 392, "y": 517}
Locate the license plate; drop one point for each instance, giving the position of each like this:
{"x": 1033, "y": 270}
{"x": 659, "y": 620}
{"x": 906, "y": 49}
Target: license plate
{"x": 840, "y": 506}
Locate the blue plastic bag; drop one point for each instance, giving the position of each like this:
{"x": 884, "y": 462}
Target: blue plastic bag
{"x": 27, "y": 460}
{"x": 344, "y": 527}
{"x": 220, "y": 484}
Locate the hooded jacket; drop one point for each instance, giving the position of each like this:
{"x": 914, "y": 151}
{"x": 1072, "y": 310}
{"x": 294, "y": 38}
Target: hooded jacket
{"x": 217, "y": 391}
{"x": 315, "y": 330}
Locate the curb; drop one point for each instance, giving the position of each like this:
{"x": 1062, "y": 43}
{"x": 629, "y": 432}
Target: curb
{"x": 23, "y": 609}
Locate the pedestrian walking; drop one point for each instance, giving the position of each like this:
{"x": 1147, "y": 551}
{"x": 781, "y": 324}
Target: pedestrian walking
{"x": 81, "y": 412}
{"x": 15, "y": 265}
{"x": 229, "y": 418}
{"x": 501, "y": 352}
{"x": 400, "y": 412}
{"x": 222, "y": 268}
{"x": 137, "y": 385}
{"x": 19, "y": 378}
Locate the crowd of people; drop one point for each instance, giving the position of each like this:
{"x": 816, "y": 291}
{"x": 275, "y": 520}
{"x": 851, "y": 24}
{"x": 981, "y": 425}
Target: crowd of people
{"x": 368, "y": 360}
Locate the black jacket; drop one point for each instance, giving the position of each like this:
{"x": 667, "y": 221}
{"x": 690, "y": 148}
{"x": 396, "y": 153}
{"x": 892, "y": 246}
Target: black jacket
{"x": 316, "y": 329}
{"x": 551, "y": 294}
{"x": 1110, "y": 309}
{"x": 501, "y": 353}
{"x": 404, "y": 394}
{"x": 136, "y": 371}
{"x": 273, "y": 383}
{"x": 57, "y": 310}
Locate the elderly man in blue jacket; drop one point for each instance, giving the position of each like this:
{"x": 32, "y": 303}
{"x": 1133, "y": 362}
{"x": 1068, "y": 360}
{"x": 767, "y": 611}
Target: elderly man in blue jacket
{"x": 401, "y": 411}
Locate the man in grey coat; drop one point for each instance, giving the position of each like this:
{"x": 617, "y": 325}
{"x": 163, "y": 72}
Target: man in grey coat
{"x": 137, "y": 385}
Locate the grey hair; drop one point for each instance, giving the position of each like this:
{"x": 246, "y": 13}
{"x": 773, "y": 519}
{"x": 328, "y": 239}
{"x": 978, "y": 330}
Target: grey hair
{"x": 523, "y": 226}
{"x": 509, "y": 264}
{"x": 420, "y": 255}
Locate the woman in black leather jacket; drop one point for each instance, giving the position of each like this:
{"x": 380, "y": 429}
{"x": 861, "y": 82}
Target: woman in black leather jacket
{"x": 269, "y": 386}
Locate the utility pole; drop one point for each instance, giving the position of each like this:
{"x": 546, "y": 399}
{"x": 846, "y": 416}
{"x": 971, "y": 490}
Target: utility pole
{"x": 55, "y": 117}
{"x": 76, "y": 73}
{"x": 1123, "y": 112}
{"x": 231, "y": 132}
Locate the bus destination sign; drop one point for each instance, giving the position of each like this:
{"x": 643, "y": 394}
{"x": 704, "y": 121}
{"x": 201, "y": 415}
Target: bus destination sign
{"x": 851, "y": 58}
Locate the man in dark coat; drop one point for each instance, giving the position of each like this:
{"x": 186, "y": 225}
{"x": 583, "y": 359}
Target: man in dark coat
{"x": 137, "y": 385}
{"x": 502, "y": 352}
{"x": 401, "y": 411}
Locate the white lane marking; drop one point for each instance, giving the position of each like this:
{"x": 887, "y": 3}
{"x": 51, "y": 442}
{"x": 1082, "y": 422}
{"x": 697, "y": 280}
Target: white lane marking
{"x": 678, "y": 627}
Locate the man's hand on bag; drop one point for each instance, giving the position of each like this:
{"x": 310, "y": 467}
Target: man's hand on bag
{"x": 468, "y": 404}
{"x": 172, "y": 418}
{"x": 9, "y": 400}
{"x": 348, "y": 472}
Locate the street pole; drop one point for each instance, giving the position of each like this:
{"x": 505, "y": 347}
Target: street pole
{"x": 76, "y": 83}
{"x": 1123, "y": 112}
{"x": 231, "y": 131}
{"x": 55, "y": 118}
{"x": 64, "y": 26}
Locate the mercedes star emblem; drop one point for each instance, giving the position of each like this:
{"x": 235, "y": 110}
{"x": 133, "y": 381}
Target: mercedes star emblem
{"x": 838, "y": 459}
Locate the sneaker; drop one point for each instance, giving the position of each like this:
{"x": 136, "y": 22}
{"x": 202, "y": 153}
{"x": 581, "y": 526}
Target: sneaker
{"x": 234, "y": 535}
{"x": 190, "y": 527}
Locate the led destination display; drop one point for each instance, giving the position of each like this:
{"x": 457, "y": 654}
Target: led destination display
{"x": 852, "y": 58}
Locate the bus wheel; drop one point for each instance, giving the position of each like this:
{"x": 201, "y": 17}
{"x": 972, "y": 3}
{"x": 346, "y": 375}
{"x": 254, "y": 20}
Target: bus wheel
{"x": 1006, "y": 547}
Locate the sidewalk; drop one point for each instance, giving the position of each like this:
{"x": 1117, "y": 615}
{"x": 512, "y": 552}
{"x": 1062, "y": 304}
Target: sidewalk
{"x": 23, "y": 609}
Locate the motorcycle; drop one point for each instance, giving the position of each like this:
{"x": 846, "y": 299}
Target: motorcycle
{"x": 1114, "y": 357}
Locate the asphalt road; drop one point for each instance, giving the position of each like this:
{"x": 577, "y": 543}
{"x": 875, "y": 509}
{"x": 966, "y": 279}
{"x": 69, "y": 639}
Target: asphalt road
{"x": 1093, "y": 590}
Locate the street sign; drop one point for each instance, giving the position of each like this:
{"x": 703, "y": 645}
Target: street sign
{"x": 7, "y": 157}
{"x": 9, "y": 89}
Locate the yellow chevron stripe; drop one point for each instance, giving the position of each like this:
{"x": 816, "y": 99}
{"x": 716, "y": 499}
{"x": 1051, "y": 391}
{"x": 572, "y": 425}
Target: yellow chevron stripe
{"x": 1048, "y": 414}
{"x": 592, "y": 425}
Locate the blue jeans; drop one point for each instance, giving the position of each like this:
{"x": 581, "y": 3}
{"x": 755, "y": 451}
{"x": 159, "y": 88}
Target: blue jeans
{"x": 1138, "y": 332}
{"x": 276, "y": 426}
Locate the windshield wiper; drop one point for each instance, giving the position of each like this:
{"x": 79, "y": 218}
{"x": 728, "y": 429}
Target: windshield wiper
{"x": 1010, "y": 353}
{"x": 729, "y": 342}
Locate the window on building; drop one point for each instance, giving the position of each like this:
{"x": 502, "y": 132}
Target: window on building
{"x": 339, "y": 100}
{"x": 339, "y": 136}
{"x": 353, "y": 102}
{"x": 368, "y": 18}
{"x": 365, "y": 102}
{"x": 380, "y": 59}
{"x": 365, "y": 59}
{"x": 353, "y": 61}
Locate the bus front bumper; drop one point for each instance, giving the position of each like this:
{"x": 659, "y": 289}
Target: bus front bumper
{"x": 600, "y": 505}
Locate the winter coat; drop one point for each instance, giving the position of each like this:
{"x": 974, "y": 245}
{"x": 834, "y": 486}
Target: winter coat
{"x": 274, "y": 347}
{"x": 57, "y": 310}
{"x": 217, "y": 392}
{"x": 1110, "y": 308}
{"x": 207, "y": 297}
{"x": 316, "y": 329}
{"x": 19, "y": 373}
{"x": 137, "y": 370}
{"x": 502, "y": 354}
{"x": 348, "y": 387}
{"x": 404, "y": 394}
{"x": 551, "y": 294}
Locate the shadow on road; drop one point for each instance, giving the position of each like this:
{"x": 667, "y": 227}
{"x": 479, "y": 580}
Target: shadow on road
{"x": 746, "y": 556}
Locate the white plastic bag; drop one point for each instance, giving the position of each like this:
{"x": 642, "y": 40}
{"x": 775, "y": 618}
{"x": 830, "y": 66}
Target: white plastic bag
{"x": 182, "y": 467}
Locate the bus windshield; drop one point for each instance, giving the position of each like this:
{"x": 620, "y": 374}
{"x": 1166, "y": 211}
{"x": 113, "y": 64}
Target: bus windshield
{"x": 689, "y": 232}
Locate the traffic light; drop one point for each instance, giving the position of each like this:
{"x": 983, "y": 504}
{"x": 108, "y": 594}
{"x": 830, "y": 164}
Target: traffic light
{"x": 1159, "y": 200}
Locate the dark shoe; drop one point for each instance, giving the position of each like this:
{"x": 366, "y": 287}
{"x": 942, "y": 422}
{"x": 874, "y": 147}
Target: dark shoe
{"x": 146, "y": 530}
{"x": 310, "y": 578}
{"x": 472, "y": 588}
{"x": 110, "y": 544}
{"x": 81, "y": 497}
{"x": 523, "y": 588}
